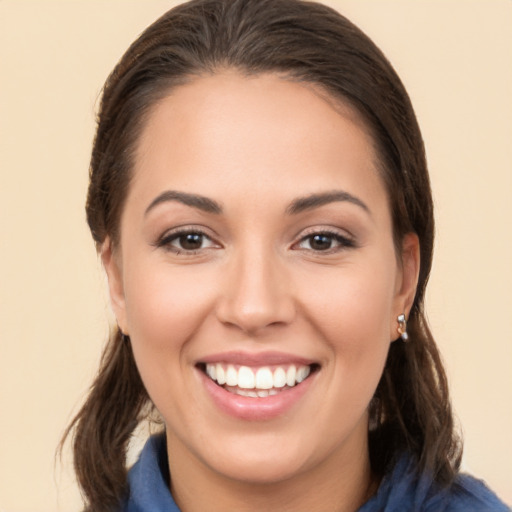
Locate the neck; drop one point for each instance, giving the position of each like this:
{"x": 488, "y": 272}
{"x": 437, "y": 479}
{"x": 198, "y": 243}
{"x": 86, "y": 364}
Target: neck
{"x": 340, "y": 484}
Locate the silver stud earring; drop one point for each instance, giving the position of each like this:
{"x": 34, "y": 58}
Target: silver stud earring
{"x": 402, "y": 327}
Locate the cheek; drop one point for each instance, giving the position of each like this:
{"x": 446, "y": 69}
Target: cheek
{"x": 353, "y": 307}
{"x": 352, "y": 314}
{"x": 164, "y": 311}
{"x": 163, "y": 306}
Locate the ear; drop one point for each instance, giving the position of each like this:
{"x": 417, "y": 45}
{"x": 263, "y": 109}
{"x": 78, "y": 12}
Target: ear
{"x": 407, "y": 279}
{"x": 112, "y": 265}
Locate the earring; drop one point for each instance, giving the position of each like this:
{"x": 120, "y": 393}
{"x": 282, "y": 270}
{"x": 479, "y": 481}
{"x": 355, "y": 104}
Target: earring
{"x": 402, "y": 327}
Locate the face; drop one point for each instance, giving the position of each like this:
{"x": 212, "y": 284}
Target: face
{"x": 257, "y": 277}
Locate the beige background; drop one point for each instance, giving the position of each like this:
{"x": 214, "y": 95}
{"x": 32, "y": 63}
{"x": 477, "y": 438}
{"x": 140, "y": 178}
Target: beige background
{"x": 455, "y": 57}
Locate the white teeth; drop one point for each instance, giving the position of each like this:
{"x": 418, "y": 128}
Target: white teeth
{"x": 261, "y": 382}
{"x": 245, "y": 378}
{"x": 246, "y": 392}
{"x": 264, "y": 378}
{"x": 221, "y": 374}
{"x": 211, "y": 371}
{"x": 302, "y": 373}
{"x": 279, "y": 378}
{"x": 231, "y": 376}
{"x": 290, "y": 375}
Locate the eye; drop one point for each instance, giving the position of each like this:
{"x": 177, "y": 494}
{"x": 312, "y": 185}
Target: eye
{"x": 189, "y": 241}
{"x": 325, "y": 242}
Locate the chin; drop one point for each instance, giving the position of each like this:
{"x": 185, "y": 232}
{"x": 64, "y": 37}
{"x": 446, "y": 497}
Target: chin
{"x": 266, "y": 471}
{"x": 269, "y": 461}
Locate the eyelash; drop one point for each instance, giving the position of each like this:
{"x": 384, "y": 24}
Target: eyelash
{"x": 343, "y": 242}
{"x": 166, "y": 241}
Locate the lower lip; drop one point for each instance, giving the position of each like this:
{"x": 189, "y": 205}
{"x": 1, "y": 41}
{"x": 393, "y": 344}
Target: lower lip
{"x": 255, "y": 409}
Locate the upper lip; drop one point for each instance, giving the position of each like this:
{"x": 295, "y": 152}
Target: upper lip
{"x": 255, "y": 359}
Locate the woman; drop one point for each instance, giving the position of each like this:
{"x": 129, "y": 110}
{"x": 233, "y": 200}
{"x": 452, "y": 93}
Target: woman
{"x": 260, "y": 200}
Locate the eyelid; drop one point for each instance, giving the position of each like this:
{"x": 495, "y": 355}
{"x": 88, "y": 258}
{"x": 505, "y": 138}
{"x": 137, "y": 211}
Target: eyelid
{"x": 345, "y": 239}
{"x": 324, "y": 229}
{"x": 172, "y": 234}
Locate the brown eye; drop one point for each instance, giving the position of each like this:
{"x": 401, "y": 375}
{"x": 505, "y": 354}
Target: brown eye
{"x": 325, "y": 242}
{"x": 190, "y": 241}
{"x": 321, "y": 242}
{"x": 184, "y": 242}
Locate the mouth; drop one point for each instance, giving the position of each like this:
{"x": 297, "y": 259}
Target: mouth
{"x": 257, "y": 382}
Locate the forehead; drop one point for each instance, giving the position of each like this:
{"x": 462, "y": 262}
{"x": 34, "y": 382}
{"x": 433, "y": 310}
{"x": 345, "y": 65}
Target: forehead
{"x": 224, "y": 129}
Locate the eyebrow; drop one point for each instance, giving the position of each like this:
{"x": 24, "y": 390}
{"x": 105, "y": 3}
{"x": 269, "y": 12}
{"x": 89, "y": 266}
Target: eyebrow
{"x": 194, "y": 200}
{"x": 316, "y": 200}
{"x": 297, "y": 206}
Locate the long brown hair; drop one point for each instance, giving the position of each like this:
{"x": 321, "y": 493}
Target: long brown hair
{"x": 302, "y": 41}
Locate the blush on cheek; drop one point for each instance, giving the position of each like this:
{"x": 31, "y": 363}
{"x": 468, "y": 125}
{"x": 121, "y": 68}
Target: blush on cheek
{"x": 354, "y": 320}
{"x": 165, "y": 306}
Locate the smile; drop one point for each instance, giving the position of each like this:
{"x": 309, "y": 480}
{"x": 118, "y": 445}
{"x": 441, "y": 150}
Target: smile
{"x": 259, "y": 382}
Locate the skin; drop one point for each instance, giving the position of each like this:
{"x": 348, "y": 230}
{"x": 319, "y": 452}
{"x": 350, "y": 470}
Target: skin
{"x": 259, "y": 283}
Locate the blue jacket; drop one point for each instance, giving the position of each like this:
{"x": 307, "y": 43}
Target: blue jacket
{"x": 401, "y": 490}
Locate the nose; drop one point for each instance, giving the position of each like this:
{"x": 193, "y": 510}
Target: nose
{"x": 257, "y": 293}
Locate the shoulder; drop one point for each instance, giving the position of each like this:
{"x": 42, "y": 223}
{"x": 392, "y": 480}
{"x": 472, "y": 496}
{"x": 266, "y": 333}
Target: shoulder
{"x": 403, "y": 488}
{"x": 469, "y": 493}
{"x": 148, "y": 480}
